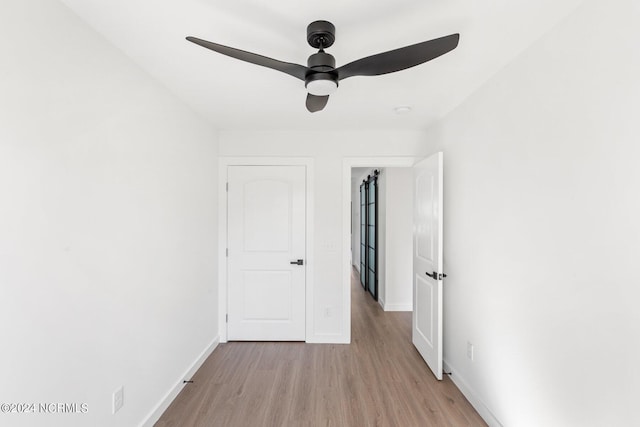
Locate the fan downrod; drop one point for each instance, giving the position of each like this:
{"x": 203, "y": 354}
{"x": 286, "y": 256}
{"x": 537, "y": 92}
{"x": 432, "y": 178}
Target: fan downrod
{"x": 321, "y": 34}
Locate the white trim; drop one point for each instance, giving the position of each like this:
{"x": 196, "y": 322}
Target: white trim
{"x": 222, "y": 250}
{"x": 224, "y": 163}
{"x": 398, "y": 307}
{"x": 471, "y": 396}
{"x": 169, "y": 397}
{"x": 347, "y": 164}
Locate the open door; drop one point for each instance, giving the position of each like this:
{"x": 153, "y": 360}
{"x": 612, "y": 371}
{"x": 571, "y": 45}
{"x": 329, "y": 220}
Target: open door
{"x": 427, "y": 261}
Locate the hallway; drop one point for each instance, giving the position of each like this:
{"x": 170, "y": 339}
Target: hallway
{"x": 377, "y": 380}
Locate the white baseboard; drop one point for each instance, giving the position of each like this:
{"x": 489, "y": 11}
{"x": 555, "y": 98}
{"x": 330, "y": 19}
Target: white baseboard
{"x": 472, "y": 397}
{"x": 398, "y": 307}
{"x": 162, "y": 406}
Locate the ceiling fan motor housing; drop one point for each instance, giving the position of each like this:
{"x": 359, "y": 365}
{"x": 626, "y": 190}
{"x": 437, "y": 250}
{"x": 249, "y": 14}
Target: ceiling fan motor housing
{"x": 322, "y": 80}
{"x": 321, "y": 34}
{"x": 321, "y": 61}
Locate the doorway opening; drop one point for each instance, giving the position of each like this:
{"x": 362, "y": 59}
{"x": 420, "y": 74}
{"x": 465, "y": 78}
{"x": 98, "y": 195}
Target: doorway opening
{"x": 366, "y": 164}
{"x": 381, "y": 233}
{"x": 423, "y": 187}
{"x": 306, "y": 266}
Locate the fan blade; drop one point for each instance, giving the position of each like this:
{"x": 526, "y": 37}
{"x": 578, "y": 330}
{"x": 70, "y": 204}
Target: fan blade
{"x": 316, "y": 103}
{"x": 295, "y": 70}
{"x": 399, "y": 59}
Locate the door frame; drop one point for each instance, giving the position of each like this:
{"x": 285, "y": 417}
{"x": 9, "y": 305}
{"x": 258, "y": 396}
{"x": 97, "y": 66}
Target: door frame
{"x": 347, "y": 164}
{"x": 223, "y": 164}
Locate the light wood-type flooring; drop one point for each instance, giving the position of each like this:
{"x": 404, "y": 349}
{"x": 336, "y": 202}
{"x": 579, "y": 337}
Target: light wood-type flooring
{"x": 377, "y": 380}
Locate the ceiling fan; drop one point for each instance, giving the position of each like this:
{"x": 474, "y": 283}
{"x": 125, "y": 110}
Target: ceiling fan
{"x": 321, "y": 76}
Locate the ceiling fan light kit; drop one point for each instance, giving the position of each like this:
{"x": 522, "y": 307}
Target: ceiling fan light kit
{"x": 321, "y": 84}
{"x": 321, "y": 76}
{"x": 323, "y": 80}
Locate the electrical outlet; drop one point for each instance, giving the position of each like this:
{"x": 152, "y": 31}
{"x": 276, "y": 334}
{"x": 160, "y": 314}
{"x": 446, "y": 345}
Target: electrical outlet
{"x": 469, "y": 351}
{"x": 118, "y": 399}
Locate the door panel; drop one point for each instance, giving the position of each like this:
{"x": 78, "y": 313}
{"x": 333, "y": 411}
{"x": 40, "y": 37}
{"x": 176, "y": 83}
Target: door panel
{"x": 260, "y": 286}
{"x": 425, "y": 237}
{"x": 266, "y": 209}
{"x": 427, "y": 259}
{"x": 266, "y": 232}
{"x": 424, "y": 311}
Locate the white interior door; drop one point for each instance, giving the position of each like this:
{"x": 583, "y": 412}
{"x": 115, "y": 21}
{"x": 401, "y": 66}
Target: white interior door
{"x": 427, "y": 261}
{"x": 266, "y": 233}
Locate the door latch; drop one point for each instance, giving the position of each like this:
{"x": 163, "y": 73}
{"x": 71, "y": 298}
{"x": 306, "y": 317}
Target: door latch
{"x": 297, "y": 262}
{"x": 436, "y": 276}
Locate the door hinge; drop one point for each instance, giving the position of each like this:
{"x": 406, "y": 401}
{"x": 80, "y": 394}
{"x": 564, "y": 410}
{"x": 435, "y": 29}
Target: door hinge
{"x": 226, "y": 318}
{"x": 227, "y": 187}
{"x": 227, "y": 252}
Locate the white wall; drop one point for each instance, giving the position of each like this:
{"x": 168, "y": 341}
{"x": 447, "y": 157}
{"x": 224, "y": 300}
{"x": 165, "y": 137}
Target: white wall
{"x": 357, "y": 176}
{"x": 107, "y": 225}
{"x": 381, "y": 261}
{"x": 542, "y": 235}
{"x": 328, "y": 150}
{"x": 355, "y": 224}
{"x": 398, "y": 238}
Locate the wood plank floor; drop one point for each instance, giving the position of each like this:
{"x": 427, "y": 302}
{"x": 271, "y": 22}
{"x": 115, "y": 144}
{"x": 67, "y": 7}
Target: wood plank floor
{"x": 377, "y": 380}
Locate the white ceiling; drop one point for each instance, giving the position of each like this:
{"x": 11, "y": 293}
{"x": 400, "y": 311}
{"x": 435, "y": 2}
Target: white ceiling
{"x": 235, "y": 95}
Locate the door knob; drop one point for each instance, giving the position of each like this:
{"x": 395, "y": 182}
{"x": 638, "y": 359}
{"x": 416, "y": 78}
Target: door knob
{"x": 297, "y": 262}
{"x": 436, "y": 276}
